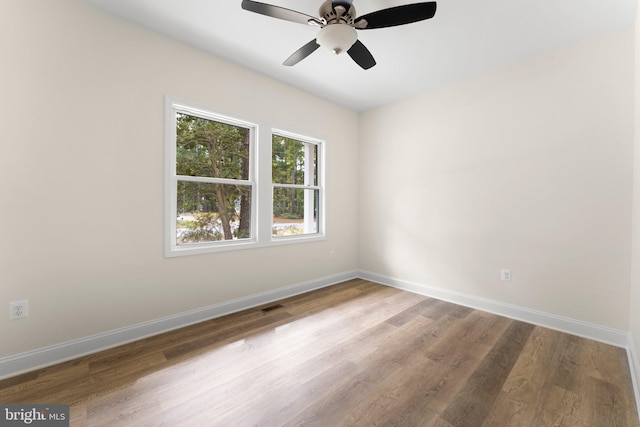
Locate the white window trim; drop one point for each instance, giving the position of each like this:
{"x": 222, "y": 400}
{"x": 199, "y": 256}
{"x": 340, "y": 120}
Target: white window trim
{"x": 259, "y": 178}
{"x": 171, "y": 248}
{"x": 320, "y": 234}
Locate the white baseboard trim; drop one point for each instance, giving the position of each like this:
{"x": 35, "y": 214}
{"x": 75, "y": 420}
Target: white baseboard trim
{"x": 592, "y": 331}
{"x": 634, "y": 367}
{"x": 29, "y": 361}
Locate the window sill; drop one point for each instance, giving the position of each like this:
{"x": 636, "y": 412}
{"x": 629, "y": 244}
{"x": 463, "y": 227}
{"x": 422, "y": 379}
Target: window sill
{"x": 181, "y": 251}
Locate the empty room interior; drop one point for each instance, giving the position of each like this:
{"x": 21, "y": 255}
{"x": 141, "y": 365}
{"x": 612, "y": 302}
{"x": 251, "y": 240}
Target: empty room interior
{"x": 465, "y": 247}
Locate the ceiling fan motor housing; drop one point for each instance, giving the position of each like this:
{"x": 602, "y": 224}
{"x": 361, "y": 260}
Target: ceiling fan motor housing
{"x": 339, "y": 14}
{"x": 338, "y": 35}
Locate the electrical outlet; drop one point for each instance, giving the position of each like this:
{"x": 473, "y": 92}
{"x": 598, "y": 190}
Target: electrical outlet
{"x": 18, "y": 309}
{"x": 505, "y": 275}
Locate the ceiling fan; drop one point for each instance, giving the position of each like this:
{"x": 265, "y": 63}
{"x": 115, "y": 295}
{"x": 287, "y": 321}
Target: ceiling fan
{"x": 338, "y": 24}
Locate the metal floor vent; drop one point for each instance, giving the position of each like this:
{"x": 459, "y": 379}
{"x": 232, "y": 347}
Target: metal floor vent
{"x": 272, "y": 307}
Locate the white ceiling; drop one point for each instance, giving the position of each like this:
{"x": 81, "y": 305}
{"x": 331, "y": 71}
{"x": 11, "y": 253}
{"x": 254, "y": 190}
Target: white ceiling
{"x": 465, "y": 37}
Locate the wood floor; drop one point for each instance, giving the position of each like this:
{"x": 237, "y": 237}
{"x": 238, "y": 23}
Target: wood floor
{"x": 356, "y": 354}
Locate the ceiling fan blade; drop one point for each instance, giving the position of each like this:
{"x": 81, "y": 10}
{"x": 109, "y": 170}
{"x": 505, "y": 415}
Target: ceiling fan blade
{"x": 398, "y": 15}
{"x": 301, "y": 53}
{"x": 359, "y": 53}
{"x": 278, "y": 12}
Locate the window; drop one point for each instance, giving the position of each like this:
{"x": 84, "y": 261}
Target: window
{"x": 296, "y": 182}
{"x": 215, "y": 199}
{"x": 211, "y": 180}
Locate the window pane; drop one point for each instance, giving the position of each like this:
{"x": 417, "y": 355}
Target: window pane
{"x": 314, "y": 157}
{"x": 211, "y": 212}
{"x": 295, "y": 211}
{"x": 211, "y": 149}
{"x": 289, "y": 158}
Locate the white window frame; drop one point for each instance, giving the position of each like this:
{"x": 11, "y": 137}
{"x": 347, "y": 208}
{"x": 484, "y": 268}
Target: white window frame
{"x": 260, "y": 180}
{"x": 172, "y": 249}
{"x": 308, "y": 201}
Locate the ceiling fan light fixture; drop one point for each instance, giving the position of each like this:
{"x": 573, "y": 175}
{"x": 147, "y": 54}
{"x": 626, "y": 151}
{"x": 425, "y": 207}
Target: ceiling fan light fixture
{"x": 337, "y": 38}
{"x": 338, "y": 22}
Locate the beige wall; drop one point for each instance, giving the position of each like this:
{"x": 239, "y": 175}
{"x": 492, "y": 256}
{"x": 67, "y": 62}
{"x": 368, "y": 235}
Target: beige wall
{"x": 635, "y": 272}
{"x": 527, "y": 168}
{"x": 81, "y": 216}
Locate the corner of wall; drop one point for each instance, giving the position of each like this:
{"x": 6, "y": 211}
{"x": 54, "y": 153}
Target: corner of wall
{"x": 634, "y": 370}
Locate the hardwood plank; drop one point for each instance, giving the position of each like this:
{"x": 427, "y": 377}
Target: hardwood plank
{"x": 509, "y": 412}
{"x": 418, "y": 308}
{"x": 524, "y": 385}
{"x": 78, "y": 416}
{"x": 416, "y": 417}
{"x": 562, "y": 408}
{"x": 569, "y": 371}
{"x": 469, "y": 337}
{"x": 607, "y": 403}
{"x": 463, "y": 346}
{"x": 441, "y": 308}
{"x": 131, "y": 406}
{"x": 388, "y": 403}
{"x": 525, "y": 381}
{"x": 473, "y": 403}
{"x": 376, "y": 364}
{"x": 203, "y": 343}
{"x": 44, "y": 382}
{"x": 19, "y": 380}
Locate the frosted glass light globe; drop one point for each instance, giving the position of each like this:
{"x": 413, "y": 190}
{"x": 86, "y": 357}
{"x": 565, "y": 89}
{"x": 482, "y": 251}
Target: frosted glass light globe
{"x": 337, "y": 38}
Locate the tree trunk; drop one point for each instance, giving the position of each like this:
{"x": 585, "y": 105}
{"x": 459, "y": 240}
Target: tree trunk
{"x": 222, "y": 211}
{"x": 293, "y": 205}
{"x": 221, "y": 195}
{"x": 244, "y": 228}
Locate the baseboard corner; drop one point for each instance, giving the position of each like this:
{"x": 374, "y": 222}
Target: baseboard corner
{"x": 634, "y": 370}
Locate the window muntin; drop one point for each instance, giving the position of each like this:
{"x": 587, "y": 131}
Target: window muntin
{"x": 211, "y": 179}
{"x": 296, "y": 190}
